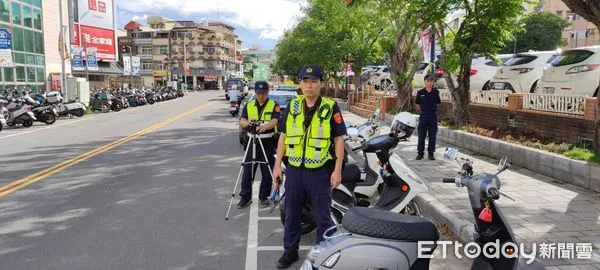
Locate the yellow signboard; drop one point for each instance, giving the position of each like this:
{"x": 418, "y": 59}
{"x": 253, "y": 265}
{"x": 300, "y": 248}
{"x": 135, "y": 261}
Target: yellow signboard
{"x": 160, "y": 73}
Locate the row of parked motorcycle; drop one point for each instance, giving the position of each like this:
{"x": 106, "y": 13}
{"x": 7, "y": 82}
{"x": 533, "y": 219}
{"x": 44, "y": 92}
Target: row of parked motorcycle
{"x": 105, "y": 101}
{"x": 378, "y": 222}
{"x": 23, "y": 109}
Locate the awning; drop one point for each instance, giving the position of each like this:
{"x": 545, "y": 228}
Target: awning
{"x": 104, "y": 68}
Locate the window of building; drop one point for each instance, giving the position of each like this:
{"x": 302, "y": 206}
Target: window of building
{"x": 4, "y": 11}
{"x": 30, "y": 59}
{"x": 209, "y": 50}
{"x": 26, "y": 1}
{"x": 146, "y": 50}
{"x": 28, "y": 40}
{"x": 39, "y": 60}
{"x": 37, "y": 19}
{"x": 27, "y": 16}
{"x": 19, "y": 58}
{"x": 146, "y": 64}
{"x": 38, "y": 42}
{"x": 37, "y": 3}
{"x": 9, "y": 75}
{"x": 17, "y": 39}
{"x": 162, "y": 50}
{"x": 20, "y": 74}
{"x": 41, "y": 75}
{"x": 16, "y": 13}
{"x": 31, "y": 74}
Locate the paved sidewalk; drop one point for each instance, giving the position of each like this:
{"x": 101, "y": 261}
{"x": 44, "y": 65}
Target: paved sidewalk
{"x": 544, "y": 210}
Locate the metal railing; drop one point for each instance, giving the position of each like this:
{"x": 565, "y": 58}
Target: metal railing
{"x": 495, "y": 98}
{"x": 554, "y": 103}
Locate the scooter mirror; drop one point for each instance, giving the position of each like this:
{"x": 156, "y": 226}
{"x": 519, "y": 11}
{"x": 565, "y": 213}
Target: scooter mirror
{"x": 502, "y": 165}
{"x": 451, "y": 153}
{"x": 377, "y": 112}
{"x": 348, "y": 124}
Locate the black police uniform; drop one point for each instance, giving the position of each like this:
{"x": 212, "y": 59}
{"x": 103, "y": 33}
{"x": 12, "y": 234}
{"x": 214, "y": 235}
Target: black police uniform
{"x": 313, "y": 184}
{"x": 269, "y": 145}
{"x": 428, "y": 120}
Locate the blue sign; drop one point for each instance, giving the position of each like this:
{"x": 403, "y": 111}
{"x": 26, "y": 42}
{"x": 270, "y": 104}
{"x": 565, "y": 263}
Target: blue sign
{"x": 5, "y": 39}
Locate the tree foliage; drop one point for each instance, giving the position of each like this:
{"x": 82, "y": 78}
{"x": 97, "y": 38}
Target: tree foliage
{"x": 541, "y": 32}
{"x": 486, "y": 27}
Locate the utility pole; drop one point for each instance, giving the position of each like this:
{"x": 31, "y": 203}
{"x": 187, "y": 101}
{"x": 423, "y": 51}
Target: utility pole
{"x": 62, "y": 55}
{"x": 130, "y": 63}
{"x": 184, "y": 59}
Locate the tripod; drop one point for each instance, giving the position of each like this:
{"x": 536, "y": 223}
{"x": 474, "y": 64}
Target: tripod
{"x": 252, "y": 139}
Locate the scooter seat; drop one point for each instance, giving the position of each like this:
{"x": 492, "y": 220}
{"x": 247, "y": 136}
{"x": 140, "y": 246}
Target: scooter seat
{"x": 350, "y": 176}
{"x": 388, "y": 225}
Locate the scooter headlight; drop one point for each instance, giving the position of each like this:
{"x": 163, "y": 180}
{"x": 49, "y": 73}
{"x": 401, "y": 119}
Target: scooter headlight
{"x": 332, "y": 260}
{"x": 306, "y": 265}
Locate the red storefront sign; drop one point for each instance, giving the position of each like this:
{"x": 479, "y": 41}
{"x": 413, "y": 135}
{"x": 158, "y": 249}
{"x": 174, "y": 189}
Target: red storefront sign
{"x": 92, "y": 4}
{"x": 102, "y": 39}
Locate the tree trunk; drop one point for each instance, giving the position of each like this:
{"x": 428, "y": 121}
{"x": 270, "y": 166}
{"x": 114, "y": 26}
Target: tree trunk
{"x": 336, "y": 85}
{"x": 401, "y": 58}
{"x": 461, "y": 96}
{"x": 357, "y": 74}
{"x": 597, "y": 127}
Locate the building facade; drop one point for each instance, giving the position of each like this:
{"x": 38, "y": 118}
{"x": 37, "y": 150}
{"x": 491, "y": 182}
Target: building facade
{"x": 24, "y": 20}
{"x": 198, "y": 55}
{"x": 581, "y": 33}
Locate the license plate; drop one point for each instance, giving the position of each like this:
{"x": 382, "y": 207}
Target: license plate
{"x": 498, "y": 86}
{"x": 548, "y": 90}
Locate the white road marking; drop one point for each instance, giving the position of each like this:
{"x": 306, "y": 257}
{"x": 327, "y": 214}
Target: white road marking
{"x": 48, "y": 127}
{"x": 269, "y": 218}
{"x": 252, "y": 247}
{"x": 280, "y": 248}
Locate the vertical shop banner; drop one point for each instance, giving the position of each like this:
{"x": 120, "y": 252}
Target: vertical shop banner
{"x": 90, "y": 58}
{"x": 126, "y": 65}
{"x": 135, "y": 65}
{"x": 77, "y": 58}
{"x": 5, "y": 48}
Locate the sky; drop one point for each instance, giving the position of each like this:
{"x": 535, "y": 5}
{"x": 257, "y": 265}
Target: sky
{"x": 258, "y": 22}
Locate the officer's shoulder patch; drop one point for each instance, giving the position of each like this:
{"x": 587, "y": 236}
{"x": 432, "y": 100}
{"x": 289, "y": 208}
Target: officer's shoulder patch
{"x": 337, "y": 117}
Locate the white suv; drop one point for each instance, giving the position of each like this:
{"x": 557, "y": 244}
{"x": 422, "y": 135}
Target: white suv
{"x": 380, "y": 77}
{"x": 521, "y": 72}
{"x": 574, "y": 72}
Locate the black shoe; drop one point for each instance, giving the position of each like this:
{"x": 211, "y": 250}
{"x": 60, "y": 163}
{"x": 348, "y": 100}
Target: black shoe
{"x": 419, "y": 156}
{"x": 431, "y": 157}
{"x": 264, "y": 203}
{"x": 287, "y": 259}
{"x": 243, "y": 203}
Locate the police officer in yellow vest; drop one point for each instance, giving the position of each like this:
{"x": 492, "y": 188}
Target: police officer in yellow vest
{"x": 267, "y": 112}
{"x": 311, "y": 143}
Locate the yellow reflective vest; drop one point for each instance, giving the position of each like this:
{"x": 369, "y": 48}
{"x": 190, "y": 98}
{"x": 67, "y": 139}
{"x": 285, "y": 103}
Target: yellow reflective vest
{"x": 308, "y": 147}
{"x": 267, "y": 112}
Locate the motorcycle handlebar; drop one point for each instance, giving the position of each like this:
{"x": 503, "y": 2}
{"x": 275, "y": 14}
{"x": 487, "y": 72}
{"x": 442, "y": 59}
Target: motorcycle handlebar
{"x": 356, "y": 148}
{"x": 448, "y": 180}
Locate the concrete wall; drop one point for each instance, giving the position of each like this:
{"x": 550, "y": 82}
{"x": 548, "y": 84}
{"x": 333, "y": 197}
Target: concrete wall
{"x": 51, "y": 28}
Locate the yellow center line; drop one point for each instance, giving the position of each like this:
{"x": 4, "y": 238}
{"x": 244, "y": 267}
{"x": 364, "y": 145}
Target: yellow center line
{"x": 16, "y": 185}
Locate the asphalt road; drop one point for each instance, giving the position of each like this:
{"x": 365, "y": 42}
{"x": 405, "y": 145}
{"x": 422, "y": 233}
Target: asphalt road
{"x": 144, "y": 188}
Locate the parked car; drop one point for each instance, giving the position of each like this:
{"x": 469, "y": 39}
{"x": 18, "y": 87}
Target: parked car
{"x": 282, "y": 98}
{"x": 486, "y": 68}
{"x": 573, "y": 72}
{"x": 520, "y": 73}
{"x": 380, "y": 77}
{"x": 424, "y": 68}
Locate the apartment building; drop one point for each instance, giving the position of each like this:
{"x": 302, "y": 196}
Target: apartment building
{"x": 196, "y": 54}
{"x": 581, "y": 32}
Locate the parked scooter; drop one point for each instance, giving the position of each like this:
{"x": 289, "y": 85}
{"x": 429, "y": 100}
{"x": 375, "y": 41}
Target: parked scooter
{"x": 364, "y": 240}
{"x": 43, "y": 111}
{"x": 3, "y": 113}
{"x": 19, "y": 113}
{"x": 401, "y": 184}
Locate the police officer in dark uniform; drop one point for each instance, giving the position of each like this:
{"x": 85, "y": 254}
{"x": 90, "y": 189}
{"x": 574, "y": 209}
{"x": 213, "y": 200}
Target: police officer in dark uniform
{"x": 311, "y": 144}
{"x": 428, "y": 100}
{"x": 265, "y": 111}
